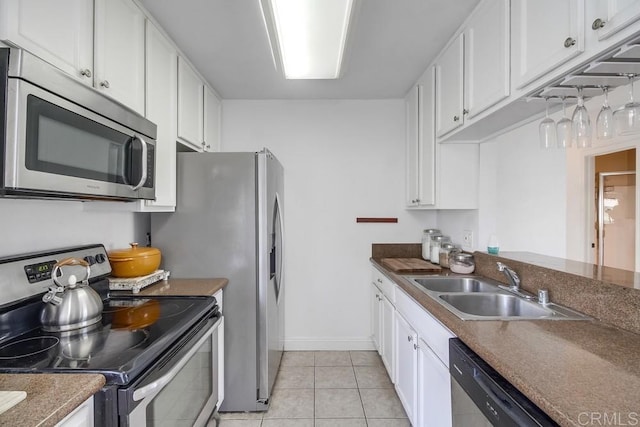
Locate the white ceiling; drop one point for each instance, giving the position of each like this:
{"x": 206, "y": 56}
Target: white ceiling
{"x": 389, "y": 47}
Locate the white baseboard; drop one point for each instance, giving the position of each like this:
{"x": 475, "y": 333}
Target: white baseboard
{"x": 327, "y": 344}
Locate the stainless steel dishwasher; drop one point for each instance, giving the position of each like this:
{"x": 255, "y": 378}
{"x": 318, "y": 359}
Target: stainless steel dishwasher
{"x": 480, "y": 396}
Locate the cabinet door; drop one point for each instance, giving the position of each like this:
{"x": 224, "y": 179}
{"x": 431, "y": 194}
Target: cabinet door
{"x": 406, "y": 366}
{"x": 376, "y": 318}
{"x": 412, "y": 110}
{"x": 190, "y": 106}
{"x": 545, "y": 34}
{"x": 211, "y": 120}
{"x": 161, "y": 106}
{"x": 615, "y": 15}
{"x": 60, "y": 32}
{"x": 82, "y": 416}
{"x": 387, "y": 313}
{"x": 119, "y": 52}
{"x": 434, "y": 389}
{"x": 449, "y": 75}
{"x": 427, "y": 146}
{"x": 486, "y": 62}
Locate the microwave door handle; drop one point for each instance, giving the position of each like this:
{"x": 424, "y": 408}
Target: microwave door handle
{"x": 143, "y": 176}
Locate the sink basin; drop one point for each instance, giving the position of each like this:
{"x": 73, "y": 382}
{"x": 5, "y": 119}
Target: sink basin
{"x": 478, "y": 298}
{"x": 504, "y": 307}
{"x": 495, "y": 305}
{"x": 454, "y": 284}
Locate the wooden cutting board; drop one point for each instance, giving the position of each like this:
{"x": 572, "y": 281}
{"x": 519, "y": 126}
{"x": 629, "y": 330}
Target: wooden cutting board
{"x": 409, "y": 265}
{"x": 8, "y": 399}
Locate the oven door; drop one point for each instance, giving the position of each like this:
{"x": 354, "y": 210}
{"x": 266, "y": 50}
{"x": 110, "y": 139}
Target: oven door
{"x": 180, "y": 391}
{"x": 55, "y": 147}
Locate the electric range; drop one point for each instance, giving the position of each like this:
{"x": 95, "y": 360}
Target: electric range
{"x": 138, "y": 345}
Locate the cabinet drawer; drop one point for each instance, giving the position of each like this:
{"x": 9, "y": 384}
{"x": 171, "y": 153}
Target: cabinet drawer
{"x": 387, "y": 287}
{"x": 434, "y": 333}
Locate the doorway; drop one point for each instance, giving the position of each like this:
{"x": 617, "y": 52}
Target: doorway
{"x": 615, "y": 210}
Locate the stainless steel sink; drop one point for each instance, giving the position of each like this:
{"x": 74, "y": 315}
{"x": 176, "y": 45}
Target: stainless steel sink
{"x": 495, "y": 305}
{"x": 476, "y": 298}
{"x": 454, "y": 284}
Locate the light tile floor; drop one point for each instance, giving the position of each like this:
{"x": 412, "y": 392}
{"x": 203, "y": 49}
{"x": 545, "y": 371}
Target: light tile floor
{"x": 328, "y": 389}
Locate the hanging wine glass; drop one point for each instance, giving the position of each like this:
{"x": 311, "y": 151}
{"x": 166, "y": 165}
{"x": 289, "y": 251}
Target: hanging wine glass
{"x": 563, "y": 128}
{"x": 627, "y": 118}
{"x": 604, "y": 122}
{"x": 547, "y": 130}
{"x": 581, "y": 123}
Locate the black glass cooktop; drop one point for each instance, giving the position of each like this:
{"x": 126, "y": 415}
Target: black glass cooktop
{"x": 133, "y": 333}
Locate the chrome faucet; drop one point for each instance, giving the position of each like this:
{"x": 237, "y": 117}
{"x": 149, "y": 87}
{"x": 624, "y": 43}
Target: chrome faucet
{"x": 512, "y": 276}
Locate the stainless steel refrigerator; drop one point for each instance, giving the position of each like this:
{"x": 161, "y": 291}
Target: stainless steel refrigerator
{"x": 229, "y": 223}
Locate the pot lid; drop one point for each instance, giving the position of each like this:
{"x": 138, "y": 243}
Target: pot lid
{"x": 134, "y": 251}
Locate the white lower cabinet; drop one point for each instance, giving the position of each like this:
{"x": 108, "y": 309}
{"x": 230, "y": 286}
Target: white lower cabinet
{"x": 82, "y": 416}
{"x": 406, "y": 346}
{"x": 376, "y": 326}
{"x": 422, "y": 355}
{"x": 387, "y": 318}
{"x": 434, "y": 389}
{"x": 382, "y": 319}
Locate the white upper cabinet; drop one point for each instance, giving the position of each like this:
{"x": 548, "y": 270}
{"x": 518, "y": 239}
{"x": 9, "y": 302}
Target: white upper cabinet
{"x": 449, "y": 92}
{"x": 119, "y": 52}
{"x": 60, "y": 32}
{"x": 486, "y": 58}
{"x": 439, "y": 176}
{"x": 544, "y": 35}
{"x": 211, "y": 120}
{"x": 190, "y": 106}
{"x": 420, "y": 144}
{"x": 412, "y": 110}
{"x": 102, "y": 47}
{"x": 161, "y": 107}
{"x": 612, "y": 16}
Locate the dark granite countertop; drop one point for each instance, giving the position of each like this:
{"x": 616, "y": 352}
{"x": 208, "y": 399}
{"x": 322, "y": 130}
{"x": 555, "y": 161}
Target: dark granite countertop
{"x": 50, "y": 397}
{"x": 570, "y": 369}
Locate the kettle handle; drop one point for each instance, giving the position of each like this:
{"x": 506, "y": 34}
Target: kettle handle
{"x": 70, "y": 261}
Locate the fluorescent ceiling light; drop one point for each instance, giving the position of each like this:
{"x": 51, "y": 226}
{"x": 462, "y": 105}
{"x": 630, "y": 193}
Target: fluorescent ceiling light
{"x": 308, "y": 37}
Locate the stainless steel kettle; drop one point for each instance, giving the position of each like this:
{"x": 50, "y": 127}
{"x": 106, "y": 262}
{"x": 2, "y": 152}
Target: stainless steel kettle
{"x": 71, "y": 305}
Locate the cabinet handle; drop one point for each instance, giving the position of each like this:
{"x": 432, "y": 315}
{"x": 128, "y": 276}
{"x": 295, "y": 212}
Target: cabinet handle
{"x": 415, "y": 346}
{"x": 85, "y": 72}
{"x": 569, "y": 42}
{"x": 409, "y": 338}
{"x": 205, "y": 146}
{"x": 465, "y": 111}
{"x": 456, "y": 118}
{"x": 105, "y": 84}
{"x": 379, "y": 280}
{"x": 597, "y": 24}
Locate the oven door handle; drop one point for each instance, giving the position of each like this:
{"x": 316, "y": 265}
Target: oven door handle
{"x": 157, "y": 385}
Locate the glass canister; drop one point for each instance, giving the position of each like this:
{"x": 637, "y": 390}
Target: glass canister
{"x": 436, "y": 241}
{"x": 426, "y": 242}
{"x": 445, "y": 250}
{"x": 461, "y": 262}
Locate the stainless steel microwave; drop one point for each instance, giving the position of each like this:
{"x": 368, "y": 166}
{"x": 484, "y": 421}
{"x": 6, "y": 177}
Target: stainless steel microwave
{"x": 63, "y": 139}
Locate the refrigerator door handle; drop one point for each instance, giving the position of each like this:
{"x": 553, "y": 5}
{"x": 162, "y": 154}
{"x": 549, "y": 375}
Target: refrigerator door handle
{"x": 277, "y": 255}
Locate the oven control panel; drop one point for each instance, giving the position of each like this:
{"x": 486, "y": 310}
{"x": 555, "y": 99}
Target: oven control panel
{"x": 39, "y": 272}
{"x": 26, "y": 275}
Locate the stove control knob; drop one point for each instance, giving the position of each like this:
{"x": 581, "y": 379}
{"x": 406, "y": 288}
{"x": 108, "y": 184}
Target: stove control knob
{"x": 90, "y": 260}
{"x": 100, "y": 258}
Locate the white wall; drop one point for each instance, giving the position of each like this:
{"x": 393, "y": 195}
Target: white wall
{"x": 343, "y": 159}
{"x": 523, "y": 193}
{"x": 33, "y": 225}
